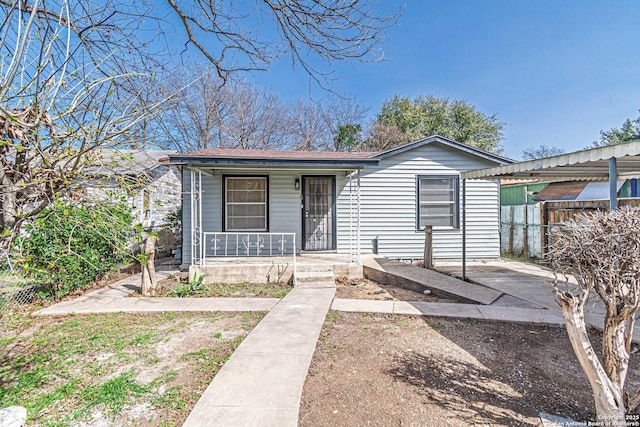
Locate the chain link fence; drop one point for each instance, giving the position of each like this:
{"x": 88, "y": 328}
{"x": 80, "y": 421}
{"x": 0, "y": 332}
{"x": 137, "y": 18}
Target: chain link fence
{"x": 14, "y": 290}
{"x": 17, "y": 295}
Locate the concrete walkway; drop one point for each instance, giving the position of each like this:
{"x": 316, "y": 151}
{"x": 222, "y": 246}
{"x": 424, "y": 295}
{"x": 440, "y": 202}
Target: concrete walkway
{"x": 115, "y": 298}
{"x": 466, "y": 311}
{"x": 261, "y": 384}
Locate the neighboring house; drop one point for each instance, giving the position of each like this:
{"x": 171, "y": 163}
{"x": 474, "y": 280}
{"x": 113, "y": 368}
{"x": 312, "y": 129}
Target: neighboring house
{"x": 347, "y": 203}
{"x": 150, "y": 186}
{"x": 512, "y": 193}
{"x": 582, "y": 190}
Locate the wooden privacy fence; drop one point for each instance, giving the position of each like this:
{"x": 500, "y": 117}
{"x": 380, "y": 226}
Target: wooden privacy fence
{"x": 524, "y": 229}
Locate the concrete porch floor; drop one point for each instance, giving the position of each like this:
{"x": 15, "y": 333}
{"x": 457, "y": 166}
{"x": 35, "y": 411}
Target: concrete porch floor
{"x": 274, "y": 269}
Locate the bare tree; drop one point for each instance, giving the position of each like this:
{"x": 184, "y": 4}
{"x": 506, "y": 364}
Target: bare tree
{"x": 320, "y": 125}
{"x": 211, "y": 113}
{"x": 63, "y": 95}
{"x": 344, "y": 116}
{"x": 383, "y": 137}
{"x": 73, "y": 75}
{"x": 257, "y": 120}
{"x": 309, "y": 128}
{"x": 307, "y": 30}
{"x": 192, "y": 118}
{"x": 541, "y": 151}
{"x": 601, "y": 251}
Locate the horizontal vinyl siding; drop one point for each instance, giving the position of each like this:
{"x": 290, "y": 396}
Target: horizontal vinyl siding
{"x": 346, "y": 217}
{"x": 388, "y": 206}
{"x": 285, "y": 213}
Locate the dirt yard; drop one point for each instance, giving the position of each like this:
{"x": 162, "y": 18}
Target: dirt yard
{"x": 367, "y": 289}
{"x": 115, "y": 369}
{"x": 384, "y": 370}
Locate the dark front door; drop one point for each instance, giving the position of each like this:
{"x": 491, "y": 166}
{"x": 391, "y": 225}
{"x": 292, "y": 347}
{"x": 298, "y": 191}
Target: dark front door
{"x": 318, "y": 213}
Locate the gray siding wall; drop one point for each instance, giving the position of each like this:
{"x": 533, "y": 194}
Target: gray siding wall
{"x": 285, "y": 215}
{"x": 388, "y": 206}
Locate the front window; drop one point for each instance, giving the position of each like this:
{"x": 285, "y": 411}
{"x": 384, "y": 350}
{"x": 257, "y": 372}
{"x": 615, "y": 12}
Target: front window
{"x": 246, "y": 203}
{"x": 437, "y": 201}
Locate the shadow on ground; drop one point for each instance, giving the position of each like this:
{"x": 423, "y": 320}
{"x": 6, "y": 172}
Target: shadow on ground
{"x": 498, "y": 373}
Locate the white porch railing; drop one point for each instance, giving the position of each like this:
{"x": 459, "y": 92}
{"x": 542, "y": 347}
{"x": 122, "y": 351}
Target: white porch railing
{"x": 246, "y": 244}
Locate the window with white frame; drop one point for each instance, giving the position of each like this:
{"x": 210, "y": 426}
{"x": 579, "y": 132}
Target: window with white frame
{"x": 245, "y": 203}
{"x": 437, "y": 201}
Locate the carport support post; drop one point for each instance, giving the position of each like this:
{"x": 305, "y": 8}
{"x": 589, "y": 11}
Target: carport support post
{"x": 613, "y": 184}
{"x": 464, "y": 229}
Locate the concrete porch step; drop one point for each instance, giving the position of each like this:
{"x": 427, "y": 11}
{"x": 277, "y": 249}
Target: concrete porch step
{"x": 316, "y": 279}
{"x": 314, "y": 268}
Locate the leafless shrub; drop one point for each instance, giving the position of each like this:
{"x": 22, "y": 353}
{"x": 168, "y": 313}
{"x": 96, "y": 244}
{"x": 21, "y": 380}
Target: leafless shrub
{"x": 601, "y": 251}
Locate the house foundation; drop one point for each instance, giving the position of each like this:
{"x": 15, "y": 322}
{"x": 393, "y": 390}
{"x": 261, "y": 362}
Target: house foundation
{"x": 272, "y": 269}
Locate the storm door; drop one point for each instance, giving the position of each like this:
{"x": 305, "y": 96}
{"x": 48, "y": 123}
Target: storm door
{"x": 318, "y": 213}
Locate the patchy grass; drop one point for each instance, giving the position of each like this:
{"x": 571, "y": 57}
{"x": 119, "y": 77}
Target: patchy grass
{"x": 177, "y": 287}
{"x": 119, "y": 369}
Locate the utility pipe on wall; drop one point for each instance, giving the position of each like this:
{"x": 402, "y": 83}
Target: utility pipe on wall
{"x": 464, "y": 229}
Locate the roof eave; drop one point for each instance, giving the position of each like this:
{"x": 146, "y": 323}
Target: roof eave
{"x": 449, "y": 142}
{"x": 209, "y": 161}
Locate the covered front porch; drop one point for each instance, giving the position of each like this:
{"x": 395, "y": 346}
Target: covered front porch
{"x": 271, "y": 218}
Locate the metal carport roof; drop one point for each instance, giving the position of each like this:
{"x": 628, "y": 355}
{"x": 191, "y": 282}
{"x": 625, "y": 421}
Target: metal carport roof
{"x": 592, "y": 164}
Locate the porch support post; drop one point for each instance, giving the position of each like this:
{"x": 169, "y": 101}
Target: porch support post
{"x": 358, "y": 249}
{"x": 295, "y": 266}
{"x": 350, "y": 217}
{"x": 464, "y": 229}
{"x": 613, "y": 184}
{"x": 195, "y": 196}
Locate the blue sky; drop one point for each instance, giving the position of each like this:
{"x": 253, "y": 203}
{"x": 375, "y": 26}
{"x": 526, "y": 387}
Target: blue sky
{"x": 557, "y": 72}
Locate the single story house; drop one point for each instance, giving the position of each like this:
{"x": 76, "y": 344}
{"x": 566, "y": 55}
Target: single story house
{"x": 263, "y": 202}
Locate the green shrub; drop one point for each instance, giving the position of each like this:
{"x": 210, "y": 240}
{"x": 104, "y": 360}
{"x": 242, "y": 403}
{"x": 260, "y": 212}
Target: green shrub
{"x": 70, "y": 245}
{"x": 193, "y": 287}
{"x": 173, "y": 220}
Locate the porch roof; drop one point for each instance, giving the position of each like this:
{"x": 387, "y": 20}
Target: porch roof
{"x": 232, "y": 156}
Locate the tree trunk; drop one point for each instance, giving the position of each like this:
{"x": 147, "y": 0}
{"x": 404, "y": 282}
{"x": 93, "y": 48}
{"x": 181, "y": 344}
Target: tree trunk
{"x": 615, "y": 355}
{"x": 149, "y": 279}
{"x": 607, "y": 395}
{"x": 8, "y": 202}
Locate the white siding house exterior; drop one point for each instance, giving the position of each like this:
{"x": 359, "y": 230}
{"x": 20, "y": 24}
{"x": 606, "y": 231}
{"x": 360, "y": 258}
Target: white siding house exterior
{"x": 151, "y": 189}
{"x": 353, "y": 203}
